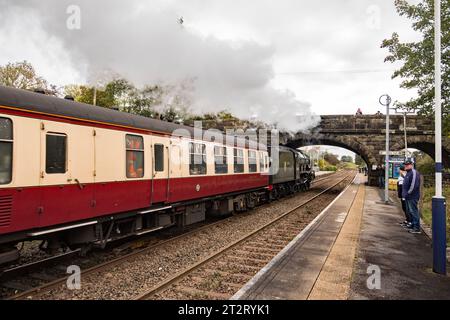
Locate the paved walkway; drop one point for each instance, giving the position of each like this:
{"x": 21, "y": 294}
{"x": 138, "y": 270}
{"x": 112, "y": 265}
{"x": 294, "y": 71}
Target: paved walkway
{"x": 355, "y": 249}
{"x": 404, "y": 260}
{"x": 318, "y": 262}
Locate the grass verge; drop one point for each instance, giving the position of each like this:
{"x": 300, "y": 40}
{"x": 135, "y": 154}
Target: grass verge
{"x": 428, "y": 194}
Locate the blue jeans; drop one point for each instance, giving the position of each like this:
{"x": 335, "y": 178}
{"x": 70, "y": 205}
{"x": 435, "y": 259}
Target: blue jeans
{"x": 381, "y": 182}
{"x": 413, "y": 210}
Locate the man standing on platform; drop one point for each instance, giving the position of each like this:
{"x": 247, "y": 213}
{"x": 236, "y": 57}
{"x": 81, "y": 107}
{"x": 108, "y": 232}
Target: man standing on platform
{"x": 401, "y": 178}
{"x": 411, "y": 194}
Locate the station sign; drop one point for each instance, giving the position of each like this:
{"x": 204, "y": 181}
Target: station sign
{"x": 393, "y": 153}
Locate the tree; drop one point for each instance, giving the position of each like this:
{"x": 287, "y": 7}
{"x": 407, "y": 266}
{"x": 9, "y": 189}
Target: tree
{"x": 347, "y": 159}
{"x": 359, "y": 160}
{"x": 153, "y": 101}
{"x": 115, "y": 94}
{"x": 21, "y": 75}
{"x": 331, "y": 158}
{"x": 424, "y": 163}
{"x": 417, "y": 70}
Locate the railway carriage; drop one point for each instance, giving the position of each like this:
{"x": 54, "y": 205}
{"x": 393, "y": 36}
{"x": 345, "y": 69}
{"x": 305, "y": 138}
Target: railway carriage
{"x": 77, "y": 175}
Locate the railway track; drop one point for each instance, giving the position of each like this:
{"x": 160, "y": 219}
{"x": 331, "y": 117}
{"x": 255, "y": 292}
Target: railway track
{"x": 224, "y": 272}
{"x": 49, "y": 285}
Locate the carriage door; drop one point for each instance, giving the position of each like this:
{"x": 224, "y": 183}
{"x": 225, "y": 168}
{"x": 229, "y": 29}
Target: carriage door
{"x": 54, "y": 173}
{"x": 66, "y": 172}
{"x": 160, "y": 179}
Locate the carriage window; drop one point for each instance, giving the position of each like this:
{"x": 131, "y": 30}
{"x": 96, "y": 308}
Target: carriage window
{"x": 6, "y": 150}
{"x": 56, "y": 153}
{"x": 220, "y": 159}
{"x": 261, "y": 162}
{"x": 252, "y": 166}
{"x": 134, "y": 156}
{"x": 197, "y": 158}
{"x": 159, "y": 157}
{"x": 238, "y": 160}
{"x": 267, "y": 162}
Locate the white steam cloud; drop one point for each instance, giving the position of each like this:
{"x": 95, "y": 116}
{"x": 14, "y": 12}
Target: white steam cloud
{"x": 144, "y": 42}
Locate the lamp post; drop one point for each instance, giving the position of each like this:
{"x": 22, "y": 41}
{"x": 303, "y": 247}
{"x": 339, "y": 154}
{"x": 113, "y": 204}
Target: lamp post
{"x": 385, "y": 100}
{"x": 438, "y": 201}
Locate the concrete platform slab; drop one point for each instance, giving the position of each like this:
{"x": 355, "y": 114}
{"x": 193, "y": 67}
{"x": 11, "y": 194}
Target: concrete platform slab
{"x": 404, "y": 260}
{"x": 293, "y": 273}
{"x": 355, "y": 249}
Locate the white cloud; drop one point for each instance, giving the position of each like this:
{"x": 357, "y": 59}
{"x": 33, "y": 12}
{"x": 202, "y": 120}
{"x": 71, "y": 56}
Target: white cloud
{"x": 22, "y": 37}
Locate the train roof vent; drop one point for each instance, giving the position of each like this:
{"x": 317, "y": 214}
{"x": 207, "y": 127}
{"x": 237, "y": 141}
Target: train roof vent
{"x": 69, "y": 98}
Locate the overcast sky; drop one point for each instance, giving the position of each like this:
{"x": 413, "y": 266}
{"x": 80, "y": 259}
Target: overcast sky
{"x": 264, "y": 59}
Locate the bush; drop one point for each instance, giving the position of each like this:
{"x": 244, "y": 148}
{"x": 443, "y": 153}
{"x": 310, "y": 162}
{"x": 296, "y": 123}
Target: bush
{"x": 427, "y": 196}
{"x": 330, "y": 168}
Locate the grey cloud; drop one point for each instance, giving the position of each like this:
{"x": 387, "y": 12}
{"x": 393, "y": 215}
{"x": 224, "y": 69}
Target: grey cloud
{"x": 147, "y": 45}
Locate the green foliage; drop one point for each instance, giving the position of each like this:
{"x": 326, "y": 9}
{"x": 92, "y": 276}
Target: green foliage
{"x": 424, "y": 163}
{"x": 417, "y": 70}
{"x": 168, "y": 103}
{"x": 347, "y": 165}
{"x": 331, "y": 158}
{"x": 347, "y": 159}
{"x": 427, "y": 196}
{"x": 330, "y": 168}
{"x": 21, "y": 75}
{"x": 115, "y": 93}
{"x": 359, "y": 160}
{"x": 165, "y": 102}
{"x": 325, "y": 166}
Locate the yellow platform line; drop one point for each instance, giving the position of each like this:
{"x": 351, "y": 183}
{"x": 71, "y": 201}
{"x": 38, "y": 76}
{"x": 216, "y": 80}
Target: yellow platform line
{"x": 333, "y": 282}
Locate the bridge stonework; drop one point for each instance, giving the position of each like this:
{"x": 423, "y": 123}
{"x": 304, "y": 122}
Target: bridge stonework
{"x": 365, "y": 135}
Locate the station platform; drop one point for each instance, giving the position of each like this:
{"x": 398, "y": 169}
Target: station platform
{"x": 354, "y": 249}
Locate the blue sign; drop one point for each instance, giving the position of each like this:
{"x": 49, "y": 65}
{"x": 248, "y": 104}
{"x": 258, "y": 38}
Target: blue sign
{"x": 394, "y": 165}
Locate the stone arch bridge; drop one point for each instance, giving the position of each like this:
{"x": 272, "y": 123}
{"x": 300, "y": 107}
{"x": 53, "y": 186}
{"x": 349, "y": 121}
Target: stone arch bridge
{"x": 365, "y": 135}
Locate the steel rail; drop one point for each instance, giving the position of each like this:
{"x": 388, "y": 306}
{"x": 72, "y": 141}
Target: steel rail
{"x": 182, "y": 274}
{"x": 31, "y": 293}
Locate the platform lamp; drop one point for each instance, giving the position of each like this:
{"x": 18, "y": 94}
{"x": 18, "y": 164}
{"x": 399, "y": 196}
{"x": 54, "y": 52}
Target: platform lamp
{"x": 438, "y": 202}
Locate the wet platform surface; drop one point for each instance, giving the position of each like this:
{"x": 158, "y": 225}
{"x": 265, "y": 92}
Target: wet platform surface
{"x": 404, "y": 260}
{"x": 295, "y": 271}
{"x": 338, "y": 256}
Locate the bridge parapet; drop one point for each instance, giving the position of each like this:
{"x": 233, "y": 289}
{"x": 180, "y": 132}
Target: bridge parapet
{"x": 373, "y": 124}
{"x": 365, "y": 135}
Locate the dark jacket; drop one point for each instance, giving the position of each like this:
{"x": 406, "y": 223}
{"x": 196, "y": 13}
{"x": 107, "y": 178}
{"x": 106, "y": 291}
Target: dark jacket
{"x": 411, "y": 185}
